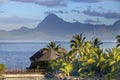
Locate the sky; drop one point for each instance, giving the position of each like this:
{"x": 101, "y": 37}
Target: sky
{"x": 29, "y": 13}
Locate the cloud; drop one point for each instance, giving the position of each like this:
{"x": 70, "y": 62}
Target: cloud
{"x": 88, "y": 1}
{"x": 75, "y": 20}
{"x": 4, "y": 0}
{"x": 92, "y": 21}
{"x": 2, "y": 11}
{"x": 91, "y": 1}
{"x": 49, "y": 3}
{"x": 76, "y": 11}
{"x": 59, "y": 12}
{"x": 9, "y": 23}
{"x": 115, "y": 0}
{"x": 108, "y": 15}
{"x": 15, "y": 20}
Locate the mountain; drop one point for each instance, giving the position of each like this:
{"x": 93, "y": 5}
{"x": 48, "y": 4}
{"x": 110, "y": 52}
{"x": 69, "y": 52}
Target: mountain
{"x": 52, "y": 24}
{"x": 55, "y": 28}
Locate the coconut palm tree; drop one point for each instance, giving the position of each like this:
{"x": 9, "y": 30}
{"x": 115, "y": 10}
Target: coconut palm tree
{"x": 113, "y": 62}
{"x": 89, "y": 60}
{"x": 118, "y": 40}
{"x": 96, "y": 42}
{"x": 77, "y": 41}
{"x": 76, "y": 44}
{"x": 54, "y": 46}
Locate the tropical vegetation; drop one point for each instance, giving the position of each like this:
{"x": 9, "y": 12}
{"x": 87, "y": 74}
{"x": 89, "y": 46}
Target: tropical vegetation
{"x": 2, "y": 69}
{"x": 87, "y": 60}
{"x": 118, "y": 40}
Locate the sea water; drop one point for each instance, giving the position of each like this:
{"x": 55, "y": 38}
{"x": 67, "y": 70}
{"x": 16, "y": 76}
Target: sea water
{"x": 15, "y": 55}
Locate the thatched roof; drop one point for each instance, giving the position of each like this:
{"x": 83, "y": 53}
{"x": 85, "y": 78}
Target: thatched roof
{"x": 47, "y": 54}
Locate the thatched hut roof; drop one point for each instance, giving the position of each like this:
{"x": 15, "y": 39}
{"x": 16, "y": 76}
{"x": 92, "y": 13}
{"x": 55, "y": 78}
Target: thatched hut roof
{"x": 47, "y": 54}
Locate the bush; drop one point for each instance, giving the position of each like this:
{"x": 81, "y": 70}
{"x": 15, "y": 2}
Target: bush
{"x": 2, "y": 68}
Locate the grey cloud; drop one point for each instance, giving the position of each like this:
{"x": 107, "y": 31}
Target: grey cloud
{"x": 100, "y": 7}
{"x": 9, "y": 23}
{"x": 75, "y": 20}
{"x": 88, "y": 1}
{"x": 49, "y": 3}
{"x": 60, "y": 11}
{"x": 15, "y": 20}
{"x": 92, "y": 1}
{"x": 2, "y": 12}
{"x": 108, "y": 15}
{"x": 76, "y": 11}
{"x": 92, "y": 21}
{"x": 116, "y": 0}
{"x": 4, "y": 0}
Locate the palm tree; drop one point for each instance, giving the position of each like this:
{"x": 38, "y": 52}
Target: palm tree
{"x": 90, "y": 60}
{"x": 118, "y": 40}
{"x": 113, "y": 62}
{"x": 76, "y": 44}
{"x": 54, "y": 46}
{"x": 96, "y": 42}
{"x": 77, "y": 41}
{"x": 67, "y": 65}
{"x": 63, "y": 64}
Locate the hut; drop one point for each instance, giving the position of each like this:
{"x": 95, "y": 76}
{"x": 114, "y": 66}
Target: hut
{"x": 41, "y": 58}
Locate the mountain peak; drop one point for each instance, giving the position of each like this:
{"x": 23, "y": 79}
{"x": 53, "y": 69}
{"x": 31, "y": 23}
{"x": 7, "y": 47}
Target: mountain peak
{"x": 52, "y": 15}
{"x": 52, "y": 18}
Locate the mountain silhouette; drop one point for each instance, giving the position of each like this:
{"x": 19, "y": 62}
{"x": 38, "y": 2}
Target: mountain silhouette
{"x": 53, "y": 27}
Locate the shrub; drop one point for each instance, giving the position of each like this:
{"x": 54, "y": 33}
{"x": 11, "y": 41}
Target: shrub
{"x": 2, "y": 68}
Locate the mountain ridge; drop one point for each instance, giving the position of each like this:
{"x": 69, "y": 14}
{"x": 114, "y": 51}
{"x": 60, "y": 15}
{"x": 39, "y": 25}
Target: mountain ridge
{"x": 53, "y": 27}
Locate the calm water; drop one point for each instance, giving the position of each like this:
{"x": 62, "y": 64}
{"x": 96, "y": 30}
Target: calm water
{"x": 16, "y": 54}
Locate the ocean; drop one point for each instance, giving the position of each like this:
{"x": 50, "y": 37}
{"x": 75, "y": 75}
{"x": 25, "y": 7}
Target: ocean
{"x": 15, "y": 55}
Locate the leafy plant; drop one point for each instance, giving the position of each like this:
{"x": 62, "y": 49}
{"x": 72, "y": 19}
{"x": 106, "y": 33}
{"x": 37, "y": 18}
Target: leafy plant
{"x": 118, "y": 40}
{"x": 2, "y": 69}
{"x": 53, "y": 45}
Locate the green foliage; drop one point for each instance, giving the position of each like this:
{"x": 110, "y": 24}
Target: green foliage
{"x": 112, "y": 61}
{"x": 118, "y": 40}
{"x": 89, "y": 59}
{"x": 63, "y": 64}
{"x": 77, "y": 41}
{"x": 53, "y": 45}
{"x": 2, "y": 68}
{"x": 96, "y": 43}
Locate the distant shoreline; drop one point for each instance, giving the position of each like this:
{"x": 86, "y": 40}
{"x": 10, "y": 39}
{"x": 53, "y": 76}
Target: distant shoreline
{"x": 26, "y": 41}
